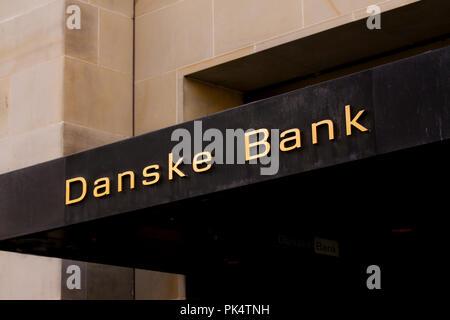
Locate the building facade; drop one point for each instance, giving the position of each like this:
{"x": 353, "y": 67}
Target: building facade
{"x": 80, "y": 74}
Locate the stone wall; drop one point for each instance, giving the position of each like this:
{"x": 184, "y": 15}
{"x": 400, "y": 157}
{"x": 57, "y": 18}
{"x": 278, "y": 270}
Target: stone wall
{"x": 178, "y": 37}
{"x": 63, "y": 91}
{"x": 57, "y": 84}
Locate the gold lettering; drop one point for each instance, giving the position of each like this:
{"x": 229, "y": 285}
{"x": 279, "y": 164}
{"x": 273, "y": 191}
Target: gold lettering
{"x": 120, "y": 180}
{"x": 249, "y": 145}
{"x": 296, "y": 138}
{"x": 330, "y": 130}
{"x": 105, "y": 185}
{"x": 196, "y": 161}
{"x": 173, "y": 168}
{"x": 155, "y": 175}
{"x": 83, "y": 193}
{"x": 353, "y": 122}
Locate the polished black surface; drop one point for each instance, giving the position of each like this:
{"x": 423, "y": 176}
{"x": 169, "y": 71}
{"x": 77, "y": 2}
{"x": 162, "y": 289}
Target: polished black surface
{"x": 355, "y": 189}
{"x": 406, "y": 103}
{"x": 388, "y": 210}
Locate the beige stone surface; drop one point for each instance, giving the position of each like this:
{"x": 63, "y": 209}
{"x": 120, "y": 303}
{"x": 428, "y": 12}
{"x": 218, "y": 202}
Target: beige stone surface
{"x": 304, "y": 32}
{"x": 329, "y": 23}
{"x": 152, "y": 285}
{"x": 116, "y": 42}
{"x": 202, "y": 99}
{"x": 183, "y": 72}
{"x": 155, "y": 103}
{"x": 384, "y": 6}
{"x": 4, "y": 107}
{"x": 27, "y": 277}
{"x": 121, "y": 6}
{"x": 393, "y": 4}
{"x": 238, "y": 23}
{"x": 316, "y": 11}
{"x": 13, "y": 8}
{"x": 205, "y": 64}
{"x": 172, "y": 37}
{"x": 78, "y": 138}
{"x": 346, "y": 6}
{"x": 5, "y": 155}
{"x": 32, "y": 38}
{"x": 98, "y": 98}
{"x": 106, "y": 282}
{"x": 30, "y": 148}
{"x": 146, "y": 6}
{"x": 36, "y": 97}
{"x": 83, "y": 43}
{"x": 35, "y": 146}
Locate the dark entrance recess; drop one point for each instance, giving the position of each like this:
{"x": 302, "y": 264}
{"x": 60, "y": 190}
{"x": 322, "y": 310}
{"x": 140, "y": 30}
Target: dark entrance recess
{"x": 386, "y": 210}
{"x": 257, "y": 241}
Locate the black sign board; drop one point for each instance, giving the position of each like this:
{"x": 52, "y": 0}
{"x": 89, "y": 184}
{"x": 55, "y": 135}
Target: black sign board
{"x": 406, "y": 104}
